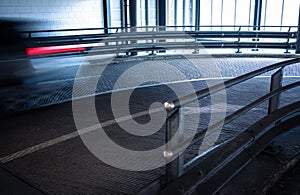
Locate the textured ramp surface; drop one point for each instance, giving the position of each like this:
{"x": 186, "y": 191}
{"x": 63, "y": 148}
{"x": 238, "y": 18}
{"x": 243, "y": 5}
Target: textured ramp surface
{"x": 56, "y": 87}
{"x": 62, "y": 164}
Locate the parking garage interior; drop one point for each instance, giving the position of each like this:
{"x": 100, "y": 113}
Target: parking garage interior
{"x": 149, "y": 97}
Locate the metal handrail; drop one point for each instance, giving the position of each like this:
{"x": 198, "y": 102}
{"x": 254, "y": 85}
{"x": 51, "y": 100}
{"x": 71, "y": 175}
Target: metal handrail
{"x": 184, "y": 41}
{"x": 146, "y": 27}
{"x": 235, "y": 153}
{"x": 177, "y": 103}
{"x": 175, "y": 113}
{"x": 176, "y": 34}
{"x": 204, "y": 38}
{"x": 178, "y": 149}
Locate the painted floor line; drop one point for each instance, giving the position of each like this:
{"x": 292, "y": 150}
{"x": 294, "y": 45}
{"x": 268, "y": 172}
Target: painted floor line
{"x": 54, "y": 141}
{"x": 74, "y": 134}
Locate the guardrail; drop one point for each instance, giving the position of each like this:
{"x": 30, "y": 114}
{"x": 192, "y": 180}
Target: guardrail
{"x": 133, "y": 40}
{"x": 181, "y": 177}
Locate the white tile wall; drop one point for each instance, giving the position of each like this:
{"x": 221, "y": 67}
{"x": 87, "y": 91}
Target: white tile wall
{"x": 55, "y": 14}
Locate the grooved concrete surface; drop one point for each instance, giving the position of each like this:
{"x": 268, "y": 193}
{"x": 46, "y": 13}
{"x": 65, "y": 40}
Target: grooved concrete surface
{"x": 56, "y": 82}
{"x": 42, "y": 146}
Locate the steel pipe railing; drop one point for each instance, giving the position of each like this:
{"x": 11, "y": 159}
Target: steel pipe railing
{"x": 157, "y": 34}
{"x": 173, "y": 106}
{"x": 213, "y": 89}
{"x": 219, "y": 165}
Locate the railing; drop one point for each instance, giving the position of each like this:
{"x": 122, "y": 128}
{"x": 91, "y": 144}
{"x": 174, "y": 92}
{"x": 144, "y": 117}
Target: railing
{"x": 133, "y": 40}
{"x": 179, "y": 176}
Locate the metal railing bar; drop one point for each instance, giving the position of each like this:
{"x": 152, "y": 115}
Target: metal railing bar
{"x": 261, "y": 133}
{"x": 149, "y": 47}
{"x": 198, "y": 136}
{"x": 221, "y": 33}
{"x": 146, "y": 27}
{"x": 213, "y": 89}
{"x": 82, "y": 39}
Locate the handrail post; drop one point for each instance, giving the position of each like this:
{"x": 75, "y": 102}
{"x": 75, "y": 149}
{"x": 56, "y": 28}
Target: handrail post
{"x": 175, "y": 123}
{"x": 287, "y": 41}
{"x": 239, "y": 39}
{"x": 276, "y": 83}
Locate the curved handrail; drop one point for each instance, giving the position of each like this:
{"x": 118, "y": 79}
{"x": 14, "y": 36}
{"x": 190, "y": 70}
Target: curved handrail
{"x": 198, "y": 136}
{"x": 170, "y": 105}
{"x": 236, "y": 152}
{"x": 176, "y": 168}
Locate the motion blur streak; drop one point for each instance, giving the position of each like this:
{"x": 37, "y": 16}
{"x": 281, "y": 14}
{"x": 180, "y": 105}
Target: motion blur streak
{"x": 53, "y": 49}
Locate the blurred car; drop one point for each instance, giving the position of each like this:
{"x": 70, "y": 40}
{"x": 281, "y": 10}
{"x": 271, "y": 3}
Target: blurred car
{"x": 14, "y": 63}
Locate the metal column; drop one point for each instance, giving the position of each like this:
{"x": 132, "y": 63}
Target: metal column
{"x": 161, "y": 18}
{"x": 122, "y": 14}
{"x": 257, "y": 14}
{"x": 183, "y": 16}
{"x": 175, "y": 12}
{"x": 257, "y": 18}
{"x": 125, "y": 14}
{"x": 197, "y": 15}
{"x": 106, "y": 15}
{"x": 132, "y": 13}
{"x": 161, "y": 12}
{"x": 147, "y": 12}
{"x": 133, "y": 21}
{"x": 298, "y": 36}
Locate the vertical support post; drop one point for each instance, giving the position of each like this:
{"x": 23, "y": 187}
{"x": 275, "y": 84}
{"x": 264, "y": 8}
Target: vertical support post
{"x": 235, "y": 7}
{"x": 298, "y": 36}
{"x": 147, "y": 12}
{"x": 222, "y": 9}
{"x": 287, "y": 42}
{"x": 282, "y": 9}
{"x": 183, "y": 19}
{"x": 249, "y": 15}
{"x": 191, "y": 12}
{"x": 132, "y": 13}
{"x": 175, "y": 12}
{"x": 122, "y": 14}
{"x": 265, "y": 16}
{"x": 239, "y": 39}
{"x": 125, "y": 14}
{"x": 175, "y": 127}
{"x": 276, "y": 83}
{"x": 257, "y": 14}
{"x": 197, "y": 15}
{"x": 161, "y": 20}
{"x": 126, "y": 20}
{"x": 133, "y": 21}
{"x": 106, "y": 15}
{"x": 257, "y": 18}
{"x": 161, "y": 12}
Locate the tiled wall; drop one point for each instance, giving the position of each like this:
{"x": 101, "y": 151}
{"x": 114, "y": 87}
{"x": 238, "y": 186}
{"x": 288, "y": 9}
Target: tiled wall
{"x": 55, "y": 14}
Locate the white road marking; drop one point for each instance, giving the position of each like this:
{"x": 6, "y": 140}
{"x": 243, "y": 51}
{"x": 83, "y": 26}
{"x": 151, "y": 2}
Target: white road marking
{"x": 74, "y": 134}
{"x": 51, "y": 142}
